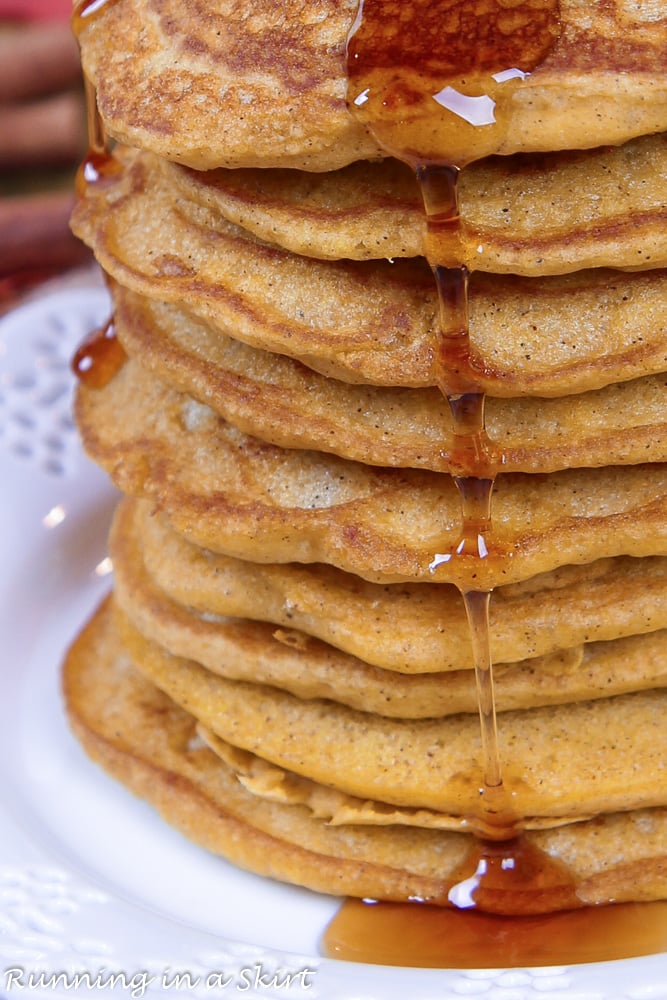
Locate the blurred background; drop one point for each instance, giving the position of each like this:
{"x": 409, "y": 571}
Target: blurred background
{"x": 42, "y": 141}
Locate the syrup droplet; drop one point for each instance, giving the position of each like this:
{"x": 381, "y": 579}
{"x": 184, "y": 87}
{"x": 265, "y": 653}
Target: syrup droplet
{"x": 435, "y": 82}
{"x": 85, "y": 11}
{"x": 99, "y": 357}
{"x": 512, "y": 876}
{"x": 97, "y": 168}
{"x": 99, "y": 165}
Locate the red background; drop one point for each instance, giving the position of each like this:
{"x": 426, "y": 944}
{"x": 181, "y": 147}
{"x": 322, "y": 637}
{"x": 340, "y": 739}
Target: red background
{"x": 41, "y": 10}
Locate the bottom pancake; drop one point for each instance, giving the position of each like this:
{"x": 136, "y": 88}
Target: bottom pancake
{"x": 140, "y": 736}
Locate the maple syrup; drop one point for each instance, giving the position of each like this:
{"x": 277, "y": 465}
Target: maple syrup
{"x": 511, "y": 876}
{"x": 438, "y": 107}
{"x": 434, "y": 937}
{"x": 435, "y": 81}
{"x": 99, "y": 357}
{"x": 84, "y": 12}
{"x": 99, "y": 164}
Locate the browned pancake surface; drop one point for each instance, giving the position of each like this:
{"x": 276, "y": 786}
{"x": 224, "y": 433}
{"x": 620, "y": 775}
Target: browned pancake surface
{"x": 233, "y": 493}
{"x": 279, "y": 400}
{"x": 373, "y": 321}
{"x": 230, "y": 84}
{"x": 243, "y": 649}
{"x": 148, "y": 743}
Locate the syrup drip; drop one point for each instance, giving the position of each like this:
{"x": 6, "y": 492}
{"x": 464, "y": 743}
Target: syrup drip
{"x": 99, "y": 357}
{"x": 438, "y": 109}
{"x": 96, "y": 168}
{"x": 477, "y": 611}
{"x": 474, "y": 463}
{"x": 85, "y": 11}
{"x": 99, "y": 165}
{"x": 402, "y": 101}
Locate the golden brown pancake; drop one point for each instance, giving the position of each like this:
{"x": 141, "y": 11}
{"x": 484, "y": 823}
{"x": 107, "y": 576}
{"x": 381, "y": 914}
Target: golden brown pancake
{"x": 273, "y": 783}
{"x": 242, "y": 649}
{"x": 364, "y": 211}
{"x": 282, "y": 402}
{"x": 560, "y": 761}
{"x": 406, "y": 628}
{"x": 240, "y": 85}
{"x": 234, "y": 494}
{"x": 373, "y": 321}
{"x": 526, "y": 214}
{"x": 141, "y": 737}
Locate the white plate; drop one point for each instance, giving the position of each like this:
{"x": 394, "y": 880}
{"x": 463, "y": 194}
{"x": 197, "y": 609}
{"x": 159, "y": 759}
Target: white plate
{"x": 92, "y": 883}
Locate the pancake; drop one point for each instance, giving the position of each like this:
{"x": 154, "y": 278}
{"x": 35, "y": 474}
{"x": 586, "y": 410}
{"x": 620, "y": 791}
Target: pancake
{"x": 241, "y": 649}
{"x": 266, "y": 781}
{"x": 405, "y": 628}
{"x": 148, "y": 743}
{"x": 242, "y": 87}
{"x": 523, "y": 214}
{"x": 372, "y": 321}
{"x": 364, "y": 211}
{"x": 237, "y": 495}
{"x": 559, "y": 762}
{"x": 280, "y": 401}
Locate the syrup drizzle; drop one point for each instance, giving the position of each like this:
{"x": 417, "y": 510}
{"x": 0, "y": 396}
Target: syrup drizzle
{"x": 438, "y": 111}
{"x": 474, "y": 463}
{"x": 99, "y": 164}
{"x": 438, "y": 108}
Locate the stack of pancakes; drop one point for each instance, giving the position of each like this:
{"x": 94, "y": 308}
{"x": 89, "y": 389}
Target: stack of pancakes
{"x": 281, "y": 670}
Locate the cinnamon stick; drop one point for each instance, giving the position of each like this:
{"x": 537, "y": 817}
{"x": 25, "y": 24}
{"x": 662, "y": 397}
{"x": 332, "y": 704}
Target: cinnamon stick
{"x": 37, "y": 59}
{"x": 44, "y": 132}
{"x": 34, "y": 233}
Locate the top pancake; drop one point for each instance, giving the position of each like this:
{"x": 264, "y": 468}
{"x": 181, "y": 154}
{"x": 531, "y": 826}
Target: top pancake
{"x": 230, "y": 83}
